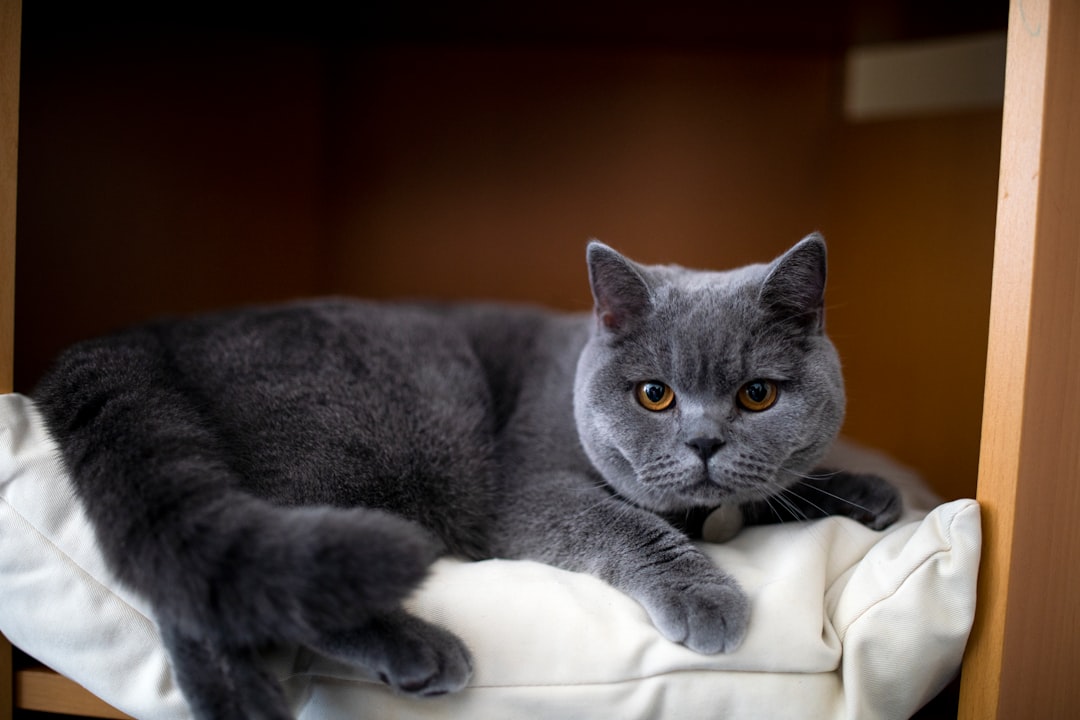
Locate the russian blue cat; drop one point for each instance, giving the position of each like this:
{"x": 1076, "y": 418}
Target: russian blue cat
{"x": 288, "y": 474}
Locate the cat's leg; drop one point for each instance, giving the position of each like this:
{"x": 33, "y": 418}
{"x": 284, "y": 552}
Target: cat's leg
{"x": 869, "y": 499}
{"x": 584, "y": 529}
{"x": 269, "y": 575}
{"x": 223, "y": 683}
{"x": 265, "y": 575}
{"x": 225, "y": 572}
{"x": 410, "y": 655}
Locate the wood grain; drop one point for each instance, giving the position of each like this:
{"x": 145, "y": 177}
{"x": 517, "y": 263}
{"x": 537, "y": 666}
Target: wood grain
{"x": 10, "y": 24}
{"x": 910, "y": 226}
{"x": 1024, "y": 650}
{"x": 42, "y": 689}
{"x": 6, "y": 694}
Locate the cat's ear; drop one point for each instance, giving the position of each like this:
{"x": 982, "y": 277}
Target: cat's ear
{"x": 795, "y": 287}
{"x": 619, "y": 288}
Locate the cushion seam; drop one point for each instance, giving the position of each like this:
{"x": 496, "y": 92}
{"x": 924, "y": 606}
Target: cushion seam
{"x": 72, "y": 563}
{"x": 326, "y": 677}
{"x": 929, "y": 557}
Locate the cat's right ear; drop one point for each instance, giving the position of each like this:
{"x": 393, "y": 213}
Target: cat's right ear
{"x": 619, "y": 289}
{"x": 795, "y": 287}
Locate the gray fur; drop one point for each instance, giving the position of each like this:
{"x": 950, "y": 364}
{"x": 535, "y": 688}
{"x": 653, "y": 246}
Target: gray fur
{"x": 288, "y": 474}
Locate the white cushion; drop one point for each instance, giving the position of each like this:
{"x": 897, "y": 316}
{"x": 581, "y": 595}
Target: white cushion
{"x": 846, "y": 622}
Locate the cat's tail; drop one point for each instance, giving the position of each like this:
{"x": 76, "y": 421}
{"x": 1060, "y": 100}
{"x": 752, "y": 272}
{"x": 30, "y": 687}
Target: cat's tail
{"x": 214, "y": 561}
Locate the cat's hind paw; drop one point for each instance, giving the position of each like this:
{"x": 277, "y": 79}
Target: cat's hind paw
{"x": 428, "y": 663}
{"x": 410, "y": 655}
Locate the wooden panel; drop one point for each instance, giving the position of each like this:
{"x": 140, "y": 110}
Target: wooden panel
{"x": 1025, "y": 647}
{"x": 10, "y": 21}
{"x": 42, "y": 689}
{"x": 39, "y": 688}
{"x": 669, "y": 155}
{"x": 185, "y": 180}
{"x": 6, "y": 694}
{"x": 911, "y": 232}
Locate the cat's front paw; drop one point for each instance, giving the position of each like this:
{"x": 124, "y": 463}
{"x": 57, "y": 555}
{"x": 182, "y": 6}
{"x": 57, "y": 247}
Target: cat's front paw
{"x": 863, "y": 497}
{"x": 708, "y": 616}
{"x": 876, "y": 503}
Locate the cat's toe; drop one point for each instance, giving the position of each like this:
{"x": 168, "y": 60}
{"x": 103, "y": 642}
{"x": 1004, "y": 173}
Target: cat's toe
{"x": 883, "y": 505}
{"x": 434, "y": 665}
{"x": 707, "y": 617}
{"x": 885, "y": 516}
{"x": 410, "y": 655}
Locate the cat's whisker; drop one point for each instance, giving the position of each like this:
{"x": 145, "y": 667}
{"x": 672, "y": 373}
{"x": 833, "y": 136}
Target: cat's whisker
{"x": 763, "y": 494}
{"x": 842, "y": 527}
{"x": 802, "y": 498}
{"x": 791, "y": 507}
{"x": 625, "y": 504}
{"x": 812, "y": 529}
{"x": 823, "y": 491}
{"x": 824, "y": 475}
{"x": 768, "y": 500}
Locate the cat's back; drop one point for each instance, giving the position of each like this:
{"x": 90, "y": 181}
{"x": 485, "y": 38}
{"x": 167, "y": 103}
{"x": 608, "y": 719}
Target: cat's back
{"x": 329, "y": 401}
{"x": 308, "y": 402}
{"x": 266, "y": 355}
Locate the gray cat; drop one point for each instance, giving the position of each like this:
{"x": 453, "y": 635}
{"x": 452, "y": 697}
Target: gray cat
{"x": 288, "y": 474}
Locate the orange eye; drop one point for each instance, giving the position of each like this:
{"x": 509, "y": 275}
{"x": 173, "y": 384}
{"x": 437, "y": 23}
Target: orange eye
{"x": 757, "y": 395}
{"x": 655, "y": 396}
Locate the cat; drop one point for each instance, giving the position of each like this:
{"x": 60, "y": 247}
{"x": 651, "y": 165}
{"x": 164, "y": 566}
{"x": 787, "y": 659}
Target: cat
{"x": 288, "y": 474}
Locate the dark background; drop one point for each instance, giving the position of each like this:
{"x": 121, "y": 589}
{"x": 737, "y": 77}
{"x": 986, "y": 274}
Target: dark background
{"x": 182, "y": 159}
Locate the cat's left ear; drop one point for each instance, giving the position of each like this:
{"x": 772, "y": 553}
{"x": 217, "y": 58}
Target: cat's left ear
{"x": 795, "y": 287}
{"x": 619, "y": 288}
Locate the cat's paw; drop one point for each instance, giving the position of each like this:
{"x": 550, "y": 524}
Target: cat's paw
{"x": 876, "y": 504}
{"x": 410, "y": 655}
{"x": 708, "y": 616}
{"x": 428, "y": 663}
{"x": 863, "y": 497}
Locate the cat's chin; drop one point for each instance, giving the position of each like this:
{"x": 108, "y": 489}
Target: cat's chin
{"x": 704, "y": 493}
{"x": 710, "y": 490}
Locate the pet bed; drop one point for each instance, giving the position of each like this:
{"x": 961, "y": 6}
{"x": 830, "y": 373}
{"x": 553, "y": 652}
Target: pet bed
{"x": 847, "y": 622}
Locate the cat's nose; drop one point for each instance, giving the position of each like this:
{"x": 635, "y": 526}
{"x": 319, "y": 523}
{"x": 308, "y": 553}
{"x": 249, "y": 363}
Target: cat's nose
{"x": 706, "y": 447}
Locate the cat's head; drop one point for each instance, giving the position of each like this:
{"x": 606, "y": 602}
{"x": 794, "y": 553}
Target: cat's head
{"x": 703, "y": 388}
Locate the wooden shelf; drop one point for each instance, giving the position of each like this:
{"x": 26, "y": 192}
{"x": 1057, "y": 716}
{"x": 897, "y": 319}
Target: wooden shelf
{"x": 39, "y": 688}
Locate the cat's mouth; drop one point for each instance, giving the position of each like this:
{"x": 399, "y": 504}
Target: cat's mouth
{"x": 674, "y": 488}
{"x": 729, "y": 485}
{"x": 706, "y": 489}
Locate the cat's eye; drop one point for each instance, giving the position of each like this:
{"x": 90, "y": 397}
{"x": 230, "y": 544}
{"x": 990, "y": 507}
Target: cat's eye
{"x": 757, "y": 395}
{"x": 654, "y": 396}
